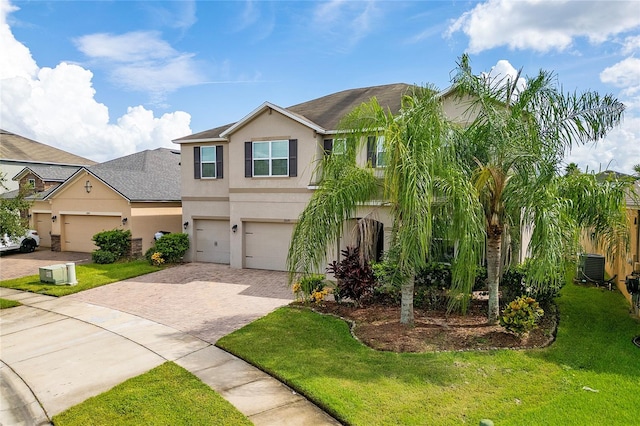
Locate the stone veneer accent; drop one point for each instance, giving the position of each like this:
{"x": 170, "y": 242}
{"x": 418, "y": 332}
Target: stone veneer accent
{"x": 136, "y": 248}
{"x": 56, "y": 243}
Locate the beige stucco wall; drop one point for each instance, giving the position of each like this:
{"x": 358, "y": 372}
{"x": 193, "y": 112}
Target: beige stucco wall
{"x": 148, "y": 218}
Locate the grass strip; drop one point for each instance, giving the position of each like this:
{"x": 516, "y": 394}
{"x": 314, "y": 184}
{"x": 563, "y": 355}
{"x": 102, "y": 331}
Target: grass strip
{"x": 6, "y": 303}
{"x": 88, "y": 276}
{"x": 166, "y": 395}
{"x": 588, "y": 376}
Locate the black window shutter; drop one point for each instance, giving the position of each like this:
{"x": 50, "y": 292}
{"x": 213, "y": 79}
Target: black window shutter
{"x": 328, "y": 146}
{"x": 219, "y": 171}
{"x": 196, "y": 162}
{"x": 371, "y": 150}
{"x": 248, "y": 159}
{"x": 293, "y": 157}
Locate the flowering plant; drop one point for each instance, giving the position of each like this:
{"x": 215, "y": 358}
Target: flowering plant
{"x": 157, "y": 259}
{"x": 310, "y": 288}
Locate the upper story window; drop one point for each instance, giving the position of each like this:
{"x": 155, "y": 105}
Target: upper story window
{"x": 335, "y": 146}
{"x": 376, "y": 155}
{"x": 271, "y": 158}
{"x": 207, "y": 162}
{"x": 31, "y": 183}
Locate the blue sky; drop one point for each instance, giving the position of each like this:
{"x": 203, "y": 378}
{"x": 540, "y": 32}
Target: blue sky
{"x": 104, "y": 79}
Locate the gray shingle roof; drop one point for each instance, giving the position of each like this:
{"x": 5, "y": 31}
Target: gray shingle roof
{"x": 327, "y": 111}
{"x": 151, "y": 175}
{"x": 51, "y": 173}
{"x": 18, "y": 148}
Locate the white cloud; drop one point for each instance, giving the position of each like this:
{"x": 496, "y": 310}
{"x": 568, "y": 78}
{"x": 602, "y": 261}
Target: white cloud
{"x": 620, "y": 151}
{"x": 130, "y": 47}
{"x": 625, "y": 75}
{"x": 502, "y": 73}
{"x": 346, "y": 22}
{"x": 57, "y": 106}
{"x": 142, "y": 61}
{"x": 544, "y": 26}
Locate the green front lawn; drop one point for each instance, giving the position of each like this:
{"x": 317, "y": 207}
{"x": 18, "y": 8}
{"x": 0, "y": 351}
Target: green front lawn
{"x": 588, "y": 376}
{"x": 88, "y": 276}
{"x": 166, "y": 395}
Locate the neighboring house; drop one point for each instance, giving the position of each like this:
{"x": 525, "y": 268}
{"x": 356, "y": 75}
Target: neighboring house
{"x": 43, "y": 179}
{"x": 18, "y": 152}
{"x": 245, "y": 184}
{"x": 138, "y": 192}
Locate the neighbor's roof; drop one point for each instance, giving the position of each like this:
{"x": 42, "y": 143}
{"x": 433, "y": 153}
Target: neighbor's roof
{"x": 327, "y": 111}
{"x": 47, "y": 173}
{"x": 18, "y": 148}
{"x": 151, "y": 175}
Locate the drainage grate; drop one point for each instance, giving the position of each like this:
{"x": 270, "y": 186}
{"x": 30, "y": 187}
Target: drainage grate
{"x": 636, "y": 341}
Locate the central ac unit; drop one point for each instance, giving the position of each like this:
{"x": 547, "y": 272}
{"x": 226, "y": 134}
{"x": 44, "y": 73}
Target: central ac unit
{"x": 591, "y": 268}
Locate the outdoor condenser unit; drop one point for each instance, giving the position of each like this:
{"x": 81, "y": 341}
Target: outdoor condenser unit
{"x": 591, "y": 268}
{"x": 54, "y": 274}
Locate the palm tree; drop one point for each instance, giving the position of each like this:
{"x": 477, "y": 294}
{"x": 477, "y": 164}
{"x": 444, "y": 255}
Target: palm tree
{"x": 516, "y": 144}
{"x": 423, "y": 187}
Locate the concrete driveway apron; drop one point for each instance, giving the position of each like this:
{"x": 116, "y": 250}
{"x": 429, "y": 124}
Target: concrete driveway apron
{"x": 57, "y": 352}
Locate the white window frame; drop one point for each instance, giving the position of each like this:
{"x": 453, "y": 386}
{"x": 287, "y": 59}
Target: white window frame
{"x": 339, "y": 146}
{"x": 203, "y": 162}
{"x": 380, "y": 150}
{"x": 269, "y": 158}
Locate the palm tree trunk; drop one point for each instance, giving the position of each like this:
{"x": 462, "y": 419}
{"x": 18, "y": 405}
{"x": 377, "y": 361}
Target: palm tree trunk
{"x": 406, "y": 305}
{"x": 494, "y": 244}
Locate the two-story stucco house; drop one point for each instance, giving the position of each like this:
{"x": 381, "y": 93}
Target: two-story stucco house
{"x": 245, "y": 184}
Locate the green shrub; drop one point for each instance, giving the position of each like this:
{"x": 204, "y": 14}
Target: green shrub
{"x": 117, "y": 243}
{"x": 171, "y": 247}
{"x": 520, "y": 315}
{"x": 388, "y": 281}
{"x": 513, "y": 284}
{"x": 103, "y": 257}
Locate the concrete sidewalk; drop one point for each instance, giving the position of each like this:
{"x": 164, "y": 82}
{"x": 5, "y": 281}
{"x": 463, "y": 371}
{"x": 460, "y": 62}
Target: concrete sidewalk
{"x": 57, "y": 352}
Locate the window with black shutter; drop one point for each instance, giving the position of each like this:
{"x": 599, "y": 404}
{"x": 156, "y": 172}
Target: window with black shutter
{"x": 208, "y": 162}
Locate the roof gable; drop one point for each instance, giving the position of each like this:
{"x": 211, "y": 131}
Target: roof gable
{"x": 269, "y": 106}
{"x": 47, "y": 173}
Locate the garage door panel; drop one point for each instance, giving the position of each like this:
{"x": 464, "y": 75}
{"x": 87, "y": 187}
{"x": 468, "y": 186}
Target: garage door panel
{"x": 78, "y": 231}
{"x": 267, "y": 245}
{"x": 212, "y": 241}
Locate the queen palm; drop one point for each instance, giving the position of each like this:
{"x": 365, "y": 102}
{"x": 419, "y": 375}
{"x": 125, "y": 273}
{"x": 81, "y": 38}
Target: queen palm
{"x": 424, "y": 187}
{"x": 516, "y": 143}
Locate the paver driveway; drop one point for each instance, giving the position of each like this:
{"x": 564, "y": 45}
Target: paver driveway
{"x": 205, "y": 300}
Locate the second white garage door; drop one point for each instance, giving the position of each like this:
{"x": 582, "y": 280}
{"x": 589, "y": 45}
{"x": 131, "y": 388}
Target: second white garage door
{"x": 212, "y": 241}
{"x": 267, "y": 245}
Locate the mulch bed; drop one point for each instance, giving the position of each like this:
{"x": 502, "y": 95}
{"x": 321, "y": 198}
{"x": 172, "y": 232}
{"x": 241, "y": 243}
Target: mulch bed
{"x": 378, "y": 326}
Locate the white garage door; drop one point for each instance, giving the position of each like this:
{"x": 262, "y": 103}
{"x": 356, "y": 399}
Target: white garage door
{"x": 77, "y": 231}
{"x": 267, "y": 245}
{"x": 212, "y": 241}
{"x": 43, "y": 226}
